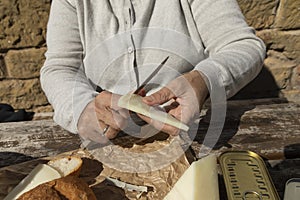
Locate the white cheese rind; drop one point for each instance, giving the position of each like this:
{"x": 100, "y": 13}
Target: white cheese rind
{"x": 40, "y": 174}
{"x": 199, "y": 182}
{"x": 135, "y": 103}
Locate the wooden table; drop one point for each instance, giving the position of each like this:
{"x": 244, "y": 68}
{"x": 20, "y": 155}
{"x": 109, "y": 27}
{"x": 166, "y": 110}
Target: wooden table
{"x": 269, "y": 127}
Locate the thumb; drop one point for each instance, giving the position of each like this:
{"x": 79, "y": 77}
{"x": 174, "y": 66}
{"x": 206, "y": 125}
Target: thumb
{"x": 159, "y": 97}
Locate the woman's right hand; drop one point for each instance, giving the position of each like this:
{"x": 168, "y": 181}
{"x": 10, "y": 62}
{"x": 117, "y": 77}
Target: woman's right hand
{"x": 102, "y": 118}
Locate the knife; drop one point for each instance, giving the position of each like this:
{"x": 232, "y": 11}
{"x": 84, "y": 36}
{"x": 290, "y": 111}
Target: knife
{"x": 137, "y": 120}
{"x": 151, "y": 76}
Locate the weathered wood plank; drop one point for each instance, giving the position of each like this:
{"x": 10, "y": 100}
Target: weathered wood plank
{"x": 21, "y": 141}
{"x": 271, "y": 130}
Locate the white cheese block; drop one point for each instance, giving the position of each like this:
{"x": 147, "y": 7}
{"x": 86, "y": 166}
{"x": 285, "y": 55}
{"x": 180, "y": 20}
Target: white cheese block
{"x": 135, "y": 103}
{"x": 40, "y": 174}
{"x": 199, "y": 182}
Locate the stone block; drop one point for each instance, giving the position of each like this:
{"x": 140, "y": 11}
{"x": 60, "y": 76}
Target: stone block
{"x": 259, "y": 13}
{"x": 295, "y": 80}
{"x": 288, "y": 15}
{"x": 43, "y": 109}
{"x": 24, "y": 63}
{"x": 287, "y": 42}
{"x": 281, "y": 68}
{"x": 22, "y": 93}
{"x": 291, "y": 95}
{"x": 23, "y": 23}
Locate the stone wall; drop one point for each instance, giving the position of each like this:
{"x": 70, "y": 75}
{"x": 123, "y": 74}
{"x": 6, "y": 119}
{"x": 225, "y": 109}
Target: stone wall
{"x": 277, "y": 22}
{"x": 22, "y": 45}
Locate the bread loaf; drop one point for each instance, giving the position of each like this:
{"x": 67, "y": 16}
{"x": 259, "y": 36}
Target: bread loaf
{"x": 68, "y": 165}
{"x": 70, "y": 187}
{"x": 54, "y": 181}
{"x": 42, "y": 173}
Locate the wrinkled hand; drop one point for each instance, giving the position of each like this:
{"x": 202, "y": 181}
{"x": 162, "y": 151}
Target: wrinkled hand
{"x": 186, "y": 93}
{"x": 100, "y": 114}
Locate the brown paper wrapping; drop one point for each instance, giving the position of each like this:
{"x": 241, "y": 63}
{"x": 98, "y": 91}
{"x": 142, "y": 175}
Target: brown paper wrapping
{"x": 159, "y": 182}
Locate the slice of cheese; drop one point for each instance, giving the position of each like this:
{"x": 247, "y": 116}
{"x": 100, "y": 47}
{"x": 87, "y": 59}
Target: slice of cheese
{"x": 135, "y": 103}
{"x": 199, "y": 182}
{"x": 40, "y": 174}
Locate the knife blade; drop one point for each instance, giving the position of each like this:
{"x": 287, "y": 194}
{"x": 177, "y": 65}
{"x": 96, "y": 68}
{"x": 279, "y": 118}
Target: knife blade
{"x": 151, "y": 76}
{"x": 135, "y": 118}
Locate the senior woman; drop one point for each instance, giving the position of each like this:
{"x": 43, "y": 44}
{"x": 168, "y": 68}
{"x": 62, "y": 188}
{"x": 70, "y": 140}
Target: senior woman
{"x": 99, "y": 50}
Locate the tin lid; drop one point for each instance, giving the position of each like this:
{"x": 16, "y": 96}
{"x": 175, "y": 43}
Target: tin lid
{"x": 292, "y": 189}
{"x": 246, "y": 176}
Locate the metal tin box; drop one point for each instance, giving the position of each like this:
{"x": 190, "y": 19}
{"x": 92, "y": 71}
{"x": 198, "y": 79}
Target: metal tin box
{"x": 246, "y": 176}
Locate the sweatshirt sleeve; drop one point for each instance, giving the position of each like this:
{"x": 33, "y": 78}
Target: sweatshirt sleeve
{"x": 234, "y": 53}
{"x": 62, "y": 76}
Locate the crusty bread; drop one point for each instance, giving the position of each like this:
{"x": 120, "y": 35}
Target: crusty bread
{"x": 67, "y": 165}
{"x": 41, "y": 192}
{"x": 39, "y": 182}
{"x": 69, "y": 187}
{"x": 42, "y": 173}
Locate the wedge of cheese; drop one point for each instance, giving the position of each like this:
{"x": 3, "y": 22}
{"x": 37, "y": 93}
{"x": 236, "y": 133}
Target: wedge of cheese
{"x": 135, "y": 103}
{"x": 40, "y": 174}
{"x": 199, "y": 182}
